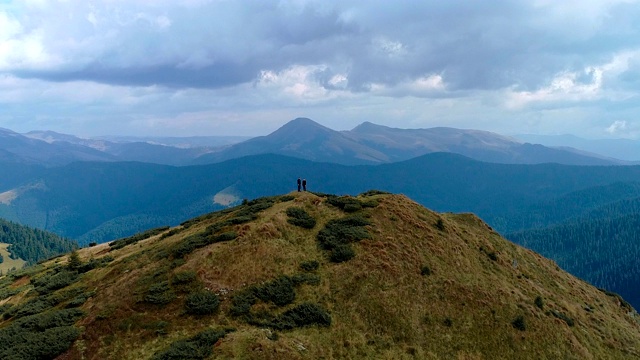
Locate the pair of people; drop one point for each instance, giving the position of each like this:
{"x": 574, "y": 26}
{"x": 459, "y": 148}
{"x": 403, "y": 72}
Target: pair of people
{"x": 303, "y": 183}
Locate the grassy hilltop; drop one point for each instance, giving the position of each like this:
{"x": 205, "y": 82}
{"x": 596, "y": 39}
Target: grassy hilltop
{"x": 307, "y": 276}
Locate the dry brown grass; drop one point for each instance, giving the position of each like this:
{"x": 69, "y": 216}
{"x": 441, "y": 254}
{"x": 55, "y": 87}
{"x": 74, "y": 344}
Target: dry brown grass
{"x": 380, "y": 303}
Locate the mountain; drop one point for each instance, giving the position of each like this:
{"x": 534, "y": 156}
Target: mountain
{"x": 403, "y": 144}
{"x": 76, "y": 199}
{"x": 15, "y": 148}
{"x": 625, "y": 149}
{"x": 302, "y": 138}
{"x": 122, "y": 151}
{"x": 307, "y": 276}
{"x": 184, "y": 142}
{"x": 375, "y": 144}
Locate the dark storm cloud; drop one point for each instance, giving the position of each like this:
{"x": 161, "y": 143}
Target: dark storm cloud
{"x": 471, "y": 44}
{"x": 214, "y": 76}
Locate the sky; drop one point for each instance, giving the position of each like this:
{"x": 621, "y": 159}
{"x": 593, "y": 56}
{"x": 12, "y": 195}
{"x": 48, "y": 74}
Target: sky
{"x": 218, "y": 67}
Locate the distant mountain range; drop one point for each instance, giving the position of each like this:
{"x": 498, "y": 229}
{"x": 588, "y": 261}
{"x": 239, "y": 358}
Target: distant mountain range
{"x": 168, "y": 151}
{"x": 366, "y": 144}
{"x": 624, "y": 149}
{"x": 375, "y": 144}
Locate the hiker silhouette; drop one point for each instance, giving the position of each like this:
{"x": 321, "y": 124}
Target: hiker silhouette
{"x": 298, "y": 184}
{"x": 304, "y": 184}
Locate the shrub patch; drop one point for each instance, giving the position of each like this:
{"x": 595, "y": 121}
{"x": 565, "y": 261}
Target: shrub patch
{"x": 42, "y": 336}
{"x": 120, "y": 243}
{"x": 202, "y": 302}
{"x": 338, "y": 234}
{"x": 299, "y": 217}
{"x": 199, "y": 346}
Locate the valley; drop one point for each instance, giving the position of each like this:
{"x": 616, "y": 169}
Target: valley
{"x": 580, "y": 216}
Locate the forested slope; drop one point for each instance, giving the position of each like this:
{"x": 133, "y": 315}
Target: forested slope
{"x": 601, "y": 250}
{"x": 31, "y": 244}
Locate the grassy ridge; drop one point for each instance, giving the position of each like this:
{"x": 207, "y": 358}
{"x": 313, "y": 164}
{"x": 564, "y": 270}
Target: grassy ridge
{"x": 419, "y": 284}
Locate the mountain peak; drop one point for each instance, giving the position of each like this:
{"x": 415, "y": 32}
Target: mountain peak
{"x": 303, "y": 123}
{"x": 300, "y": 129}
{"x": 368, "y": 126}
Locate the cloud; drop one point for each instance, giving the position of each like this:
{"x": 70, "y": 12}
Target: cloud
{"x": 211, "y": 44}
{"x": 617, "y": 127}
{"x": 518, "y": 63}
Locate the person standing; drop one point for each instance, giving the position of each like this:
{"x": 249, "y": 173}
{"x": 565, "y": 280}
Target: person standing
{"x": 304, "y": 184}
{"x": 298, "y": 184}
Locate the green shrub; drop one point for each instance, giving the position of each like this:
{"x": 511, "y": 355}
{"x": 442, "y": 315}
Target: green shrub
{"x": 171, "y": 232}
{"x": 27, "y": 271}
{"x": 279, "y": 291}
{"x": 305, "y": 314}
{"x": 305, "y": 278}
{"x": 184, "y": 277}
{"x": 373, "y": 192}
{"x": 562, "y": 316}
{"x": 80, "y": 299}
{"x": 199, "y": 346}
{"x": 120, "y": 243}
{"x": 7, "y": 292}
{"x": 345, "y": 203}
{"x": 349, "y": 203}
{"x": 202, "y": 302}
{"x": 210, "y": 216}
{"x": 343, "y": 231}
{"x": 196, "y": 241}
{"x": 538, "y": 302}
{"x": 94, "y": 263}
{"x": 242, "y": 302}
{"x": 371, "y": 203}
{"x": 285, "y": 198}
{"x": 66, "y": 294}
{"x": 47, "y": 320}
{"x": 49, "y": 283}
{"x": 425, "y": 271}
{"x": 519, "y": 324}
{"x": 160, "y": 294}
{"x": 255, "y": 206}
{"x": 299, "y": 217}
{"x": 46, "y": 344}
{"x": 240, "y": 219}
{"x": 311, "y": 265}
{"x": 5, "y": 307}
{"x": 352, "y": 207}
{"x": 440, "y": 225}
{"x": 342, "y": 253}
{"x": 74, "y": 261}
{"x": 490, "y": 254}
{"x": 33, "y": 306}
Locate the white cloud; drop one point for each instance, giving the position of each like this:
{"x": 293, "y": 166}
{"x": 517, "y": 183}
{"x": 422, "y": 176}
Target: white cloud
{"x": 299, "y": 84}
{"x": 618, "y": 126}
{"x": 565, "y": 87}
